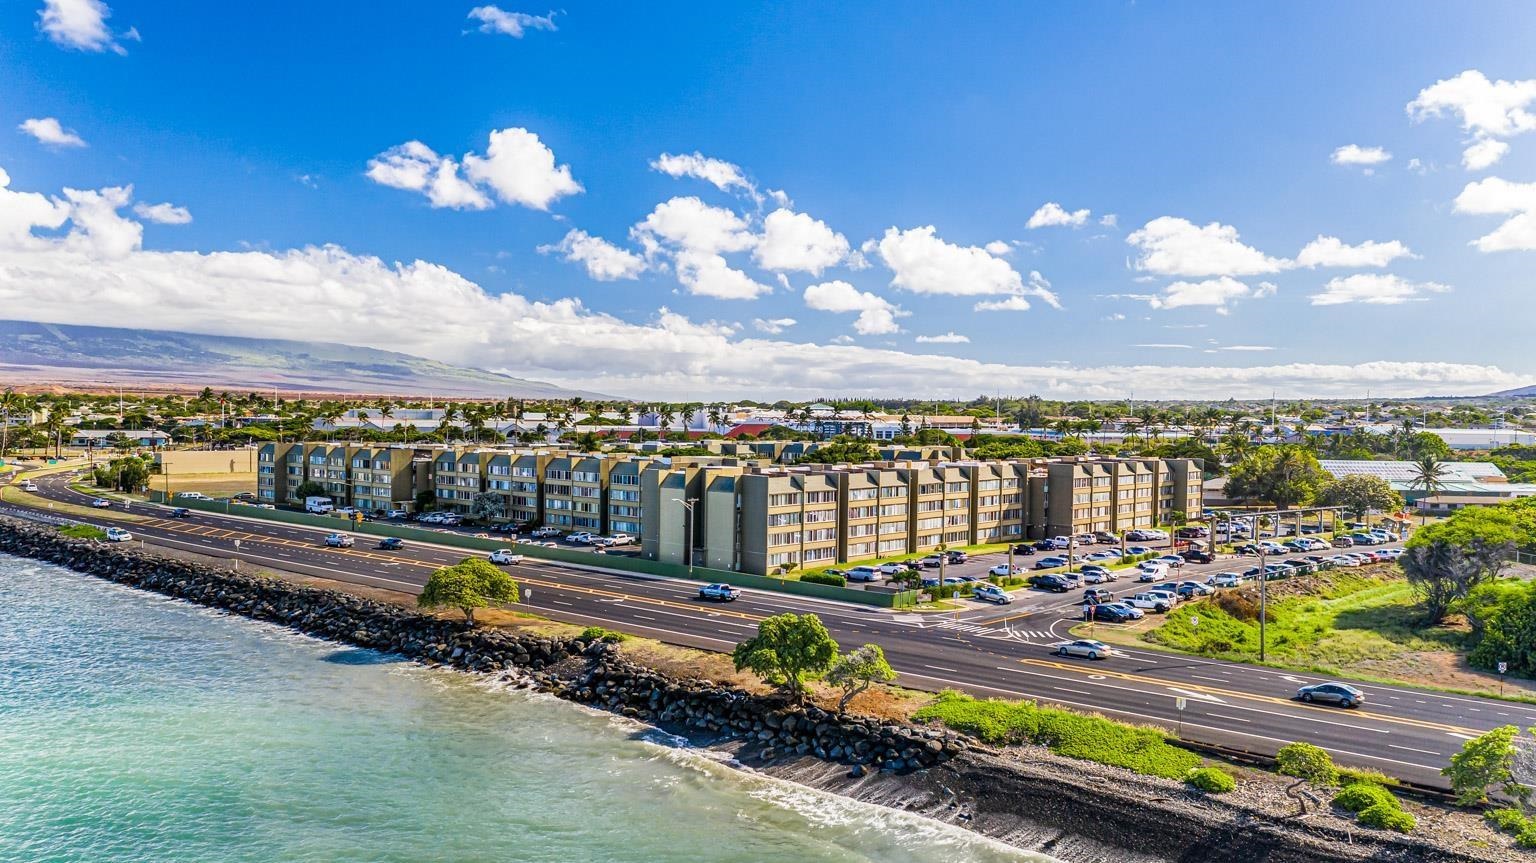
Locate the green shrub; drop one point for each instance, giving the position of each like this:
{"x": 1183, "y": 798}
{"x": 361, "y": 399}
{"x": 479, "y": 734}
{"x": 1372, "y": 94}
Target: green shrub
{"x": 1526, "y": 838}
{"x": 1388, "y": 816}
{"x": 1211, "y": 780}
{"x": 1073, "y": 735}
{"x": 83, "y": 531}
{"x": 1361, "y": 796}
{"x": 1507, "y": 820}
{"x": 1351, "y": 775}
{"x": 598, "y": 633}
{"x": 1305, "y": 761}
{"x": 824, "y": 578}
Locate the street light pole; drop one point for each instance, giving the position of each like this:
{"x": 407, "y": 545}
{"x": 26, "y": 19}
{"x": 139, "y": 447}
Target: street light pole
{"x": 687, "y": 532}
{"x": 1263, "y": 589}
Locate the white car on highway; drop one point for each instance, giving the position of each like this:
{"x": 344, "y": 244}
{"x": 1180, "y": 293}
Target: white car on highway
{"x": 505, "y": 556}
{"x": 117, "y": 534}
{"x": 1085, "y": 647}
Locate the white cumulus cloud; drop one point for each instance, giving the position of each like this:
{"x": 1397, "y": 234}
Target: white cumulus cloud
{"x": 514, "y": 24}
{"x": 719, "y": 173}
{"x": 604, "y": 261}
{"x": 1357, "y": 156}
{"x": 1487, "y": 110}
{"x": 1382, "y": 289}
{"x": 949, "y": 338}
{"x": 877, "y": 315}
{"x": 1052, "y": 214}
{"x": 1218, "y": 293}
{"x": 796, "y": 241}
{"x": 1334, "y": 252}
{"x": 48, "y": 131}
{"x": 998, "y": 248}
{"x": 517, "y": 168}
{"x": 1171, "y": 246}
{"x": 163, "y": 214}
{"x": 925, "y": 264}
{"x": 415, "y": 167}
{"x": 81, "y": 25}
{"x": 773, "y": 326}
{"x": 1497, "y": 196}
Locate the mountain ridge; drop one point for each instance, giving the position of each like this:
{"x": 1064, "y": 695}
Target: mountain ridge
{"x": 41, "y": 352}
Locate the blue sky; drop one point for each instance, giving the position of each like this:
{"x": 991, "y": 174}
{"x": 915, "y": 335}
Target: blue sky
{"x": 867, "y": 171}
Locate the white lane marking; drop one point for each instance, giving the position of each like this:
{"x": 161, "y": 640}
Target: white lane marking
{"x": 941, "y": 668}
{"x": 644, "y": 617}
{"x": 1211, "y": 679}
{"x": 1065, "y": 689}
{"x": 558, "y": 602}
{"x": 1411, "y": 749}
{"x": 1228, "y": 718}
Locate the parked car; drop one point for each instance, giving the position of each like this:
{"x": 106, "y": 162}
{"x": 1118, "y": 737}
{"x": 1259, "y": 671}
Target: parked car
{"x": 719, "y": 592}
{"x": 1172, "y": 596}
{"x": 1227, "y": 579}
{"x": 1084, "y": 647}
{"x": 504, "y": 556}
{"x": 192, "y": 495}
{"x": 1002, "y": 570}
{"x": 117, "y": 534}
{"x": 1197, "y": 556}
{"x": 932, "y": 561}
{"x": 1084, "y": 539}
{"x": 891, "y": 567}
{"x": 1097, "y": 574}
{"x": 580, "y": 537}
{"x": 1149, "y": 571}
{"x": 861, "y": 573}
{"x": 101, "y": 503}
{"x": 1138, "y": 549}
{"x": 397, "y": 513}
{"x": 1117, "y": 612}
{"x": 955, "y": 557}
{"x": 1341, "y": 694}
{"x": 1105, "y": 537}
{"x": 1365, "y": 539}
{"x": 991, "y": 593}
{"x": 1050, "y": 562}
{"x": 1053, "y": 583}
{"x": 1058, "y": 543}
{"x": 1172, "y": 560}
{"x": 542, "y": 532}
{"x": 1192, "y": 589}
{"x": 338, "y": 540}
{"x": 1024, "y": 549}
{"x": 1343, "y": 542}
{"x": 1097, "y": 595}
{"x": 1151, "y": 602}
{"x": 620, "y": 538}
{"x": 390, "y": 543}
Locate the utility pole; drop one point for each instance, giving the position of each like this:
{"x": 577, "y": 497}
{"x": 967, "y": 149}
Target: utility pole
{"x": 1263, "y": 588}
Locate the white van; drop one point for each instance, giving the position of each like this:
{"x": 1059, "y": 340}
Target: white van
{"x": 1151, "y": 570}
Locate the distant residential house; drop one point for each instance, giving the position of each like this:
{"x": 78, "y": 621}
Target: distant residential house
{"x": 107, "y": 437}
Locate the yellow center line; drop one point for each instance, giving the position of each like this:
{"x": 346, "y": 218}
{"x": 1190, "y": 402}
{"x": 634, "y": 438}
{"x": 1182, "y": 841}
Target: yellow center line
{"x": 1250, "y": 696}
{"x": 535, "y": 582}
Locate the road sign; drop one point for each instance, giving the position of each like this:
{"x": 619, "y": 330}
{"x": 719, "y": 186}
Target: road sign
{"x": 1194, "y": 620}
{"x": 1503, "y": 667}
{"x": 237, "y": 543}
{"x": 1178, "y": 703}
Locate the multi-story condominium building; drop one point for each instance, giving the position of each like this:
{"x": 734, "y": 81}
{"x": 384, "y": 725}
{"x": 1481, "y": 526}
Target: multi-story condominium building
{"x": 382, "y": 478}
{"x": 279, "y": 468}
{"x": 457, "y": 476}
{"x": 762, "y": 519}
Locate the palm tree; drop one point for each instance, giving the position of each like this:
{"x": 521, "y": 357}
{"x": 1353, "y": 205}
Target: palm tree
{"x": 1428, "y": 474}
{"x": 9, "y": 401}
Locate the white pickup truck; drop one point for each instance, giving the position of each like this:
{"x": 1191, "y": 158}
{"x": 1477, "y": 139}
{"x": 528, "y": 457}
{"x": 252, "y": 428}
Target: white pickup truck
{"x": 1149, "y": 601}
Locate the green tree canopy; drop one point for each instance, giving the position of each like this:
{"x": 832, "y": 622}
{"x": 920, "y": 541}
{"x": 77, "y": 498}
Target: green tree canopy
{"x": 787, "y": 650}
{"x": 1282, "y": 474}
{"x": 1359, "y": 493}
{"x": 859, "y": 670}
{"x": 840, "y": 450}
{"x": 467, "y": 585}
{"x": 1483, "y": 763}
{"x": 309, "y": 488}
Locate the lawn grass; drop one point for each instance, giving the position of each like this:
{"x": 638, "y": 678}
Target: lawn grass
{"x": 1351, "y": 620}
{"x": 1074, "y": 735}
{"x": 83, "y": 531}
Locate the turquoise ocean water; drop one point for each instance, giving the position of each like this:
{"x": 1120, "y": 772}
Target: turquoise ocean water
{"x": 134, "y": 729}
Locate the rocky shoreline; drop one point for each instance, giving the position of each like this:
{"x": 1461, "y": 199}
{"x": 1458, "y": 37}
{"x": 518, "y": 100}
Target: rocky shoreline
{"x": 1080, "y": 811}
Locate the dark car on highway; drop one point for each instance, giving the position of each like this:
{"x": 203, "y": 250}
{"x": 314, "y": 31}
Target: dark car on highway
{"x": 390, "y": 543}
{"x": 1341, "y": 694}
{"x": 1053, "y": 583}
{"x": 181, "y": 512}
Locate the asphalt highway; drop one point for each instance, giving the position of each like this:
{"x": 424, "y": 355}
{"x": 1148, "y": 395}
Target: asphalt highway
{"x": 987, "y": 651}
